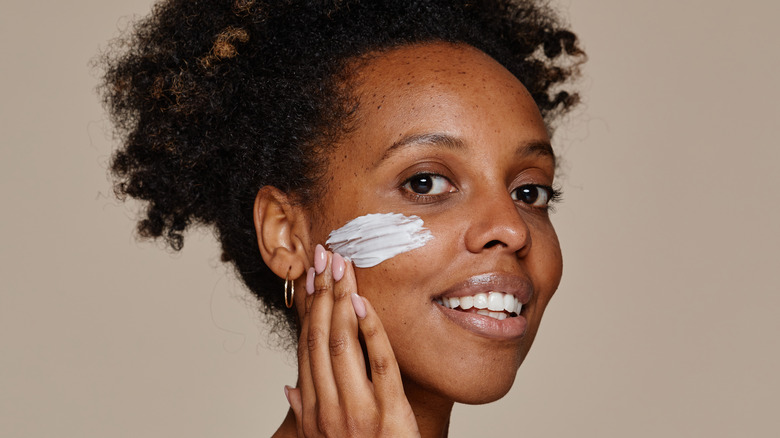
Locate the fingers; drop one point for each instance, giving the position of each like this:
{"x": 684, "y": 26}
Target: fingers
{"x": 306, "y": 394}
{"x": 349, "y": 367}
{"x": 335, "y": 394}
{"x": 385, "y": 374}
{"x": 318, "y": 337}
{"x": 294, "y": 398}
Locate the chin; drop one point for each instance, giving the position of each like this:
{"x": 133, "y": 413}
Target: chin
{"x": 473, "y": 380}
{"x": 485, "y": 394}
{"x": 487, "y": 385}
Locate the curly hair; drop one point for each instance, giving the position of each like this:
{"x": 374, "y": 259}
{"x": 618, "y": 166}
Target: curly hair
{"x": 213, "y": 99}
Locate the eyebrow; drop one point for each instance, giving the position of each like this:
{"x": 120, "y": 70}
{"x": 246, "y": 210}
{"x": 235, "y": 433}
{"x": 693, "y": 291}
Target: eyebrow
{"x": 532, "y": 148}
{"x": 538, "y": 148}
{"x": 431, "y": 139}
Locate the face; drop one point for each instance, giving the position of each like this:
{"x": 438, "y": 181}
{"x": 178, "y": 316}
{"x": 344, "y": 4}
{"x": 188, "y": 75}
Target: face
{"x": 445, "y": 133}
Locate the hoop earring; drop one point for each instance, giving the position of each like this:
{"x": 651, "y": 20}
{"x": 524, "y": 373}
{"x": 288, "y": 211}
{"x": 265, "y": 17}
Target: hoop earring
{"x": 289, "y": 301}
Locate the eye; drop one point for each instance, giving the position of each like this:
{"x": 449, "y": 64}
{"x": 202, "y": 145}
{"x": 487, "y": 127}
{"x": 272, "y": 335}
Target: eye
{"x": 429, "y": 184}
{"x": 535, "y": 195}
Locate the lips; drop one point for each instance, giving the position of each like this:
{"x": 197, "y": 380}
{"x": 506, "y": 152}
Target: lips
{"x": 489, "y": 305}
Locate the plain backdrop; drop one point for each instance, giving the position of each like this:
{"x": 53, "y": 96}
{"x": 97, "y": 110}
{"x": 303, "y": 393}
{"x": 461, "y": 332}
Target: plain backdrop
{"x": 666, "y": 323}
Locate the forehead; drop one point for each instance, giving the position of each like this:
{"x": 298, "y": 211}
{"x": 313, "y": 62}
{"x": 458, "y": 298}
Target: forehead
{"x": 437, "y": 85}
{"x": 435, "y": 68}
{"x": 433, "y": 59}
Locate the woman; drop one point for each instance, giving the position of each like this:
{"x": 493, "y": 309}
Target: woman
{"x": 410, "y": 137}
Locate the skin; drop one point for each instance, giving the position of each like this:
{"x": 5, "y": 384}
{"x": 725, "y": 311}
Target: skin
{"x": 440, "y": 109}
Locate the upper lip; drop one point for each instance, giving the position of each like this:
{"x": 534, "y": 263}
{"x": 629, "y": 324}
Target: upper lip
{"x": 518, "y": 286}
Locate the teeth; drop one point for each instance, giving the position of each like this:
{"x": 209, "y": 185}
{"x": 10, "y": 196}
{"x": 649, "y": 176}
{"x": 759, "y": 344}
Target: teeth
{"x": 510, "y": 302}
{"x": 481, "y": 301}
{"x": 494, "y": 304}
{"x": 497, "y": 315}
{"x": 496, "y": 301}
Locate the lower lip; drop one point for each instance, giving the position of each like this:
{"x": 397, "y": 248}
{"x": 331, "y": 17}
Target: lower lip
{"x": 485, "y": 326}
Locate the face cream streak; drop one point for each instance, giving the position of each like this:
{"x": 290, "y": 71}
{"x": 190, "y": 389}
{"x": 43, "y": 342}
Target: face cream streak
{"x": 371, "y": 239}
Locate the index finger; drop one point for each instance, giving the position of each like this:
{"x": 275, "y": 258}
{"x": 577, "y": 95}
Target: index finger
{"x": 385, "y": 373}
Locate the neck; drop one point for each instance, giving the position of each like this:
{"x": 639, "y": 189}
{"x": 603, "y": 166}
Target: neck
{"x": 431, "y": 411}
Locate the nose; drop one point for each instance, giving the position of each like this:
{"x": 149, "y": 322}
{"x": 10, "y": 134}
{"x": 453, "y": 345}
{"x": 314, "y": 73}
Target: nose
{"x": 495, "y": 222}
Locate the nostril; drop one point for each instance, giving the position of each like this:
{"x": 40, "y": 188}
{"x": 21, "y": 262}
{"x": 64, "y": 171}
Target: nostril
{"x": 498, "y": 232}
{"x": 493, "y": 243}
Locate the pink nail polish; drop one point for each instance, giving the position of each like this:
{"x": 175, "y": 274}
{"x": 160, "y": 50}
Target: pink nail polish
{"x": 320, "y": 259}
{"x": 337, "y": 265}
{"x": 310, "y": 281}
{"x": 287, "y": 394}
{"x": 359, "y": 305}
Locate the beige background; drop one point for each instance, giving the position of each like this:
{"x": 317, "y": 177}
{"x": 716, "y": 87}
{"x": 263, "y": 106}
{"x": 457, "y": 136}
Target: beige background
{"x": 666, "y": 323}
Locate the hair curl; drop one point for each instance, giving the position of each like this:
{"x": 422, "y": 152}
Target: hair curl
{"x": 213, "y": 99}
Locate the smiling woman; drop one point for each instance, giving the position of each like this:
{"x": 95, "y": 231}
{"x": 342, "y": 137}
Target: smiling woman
{"x": 411, "y": 136}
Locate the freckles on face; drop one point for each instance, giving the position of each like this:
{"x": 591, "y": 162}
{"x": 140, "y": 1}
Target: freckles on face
{"x": 446, "y": 134}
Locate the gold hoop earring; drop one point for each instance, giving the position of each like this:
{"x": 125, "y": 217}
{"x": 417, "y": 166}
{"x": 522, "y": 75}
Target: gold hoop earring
{"x": 289, "y": 301}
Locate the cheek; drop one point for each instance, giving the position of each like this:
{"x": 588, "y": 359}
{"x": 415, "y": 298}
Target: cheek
{"x": 397, "y": 280}
{"x": 545, "y": 264}
{"x": 372, "y": 239}
{"x": 400, "y": 288}
{"x": 553, "y": 257}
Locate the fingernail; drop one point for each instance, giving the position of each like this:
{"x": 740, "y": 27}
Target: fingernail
{"x": 310, "y": 281}
{"x": 320, "y": 259}
{"x": 287, "y": 394}
{"x": 337, "y": 265}
{"x": 359, "y": 305}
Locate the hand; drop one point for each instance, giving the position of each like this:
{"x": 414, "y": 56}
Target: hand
{"x": 336, "y": 397}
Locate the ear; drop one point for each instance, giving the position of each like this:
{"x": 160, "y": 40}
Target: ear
{"x": 282, "y": 228}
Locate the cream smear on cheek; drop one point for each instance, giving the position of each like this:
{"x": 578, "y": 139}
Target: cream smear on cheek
{"x": 371, "y": 239}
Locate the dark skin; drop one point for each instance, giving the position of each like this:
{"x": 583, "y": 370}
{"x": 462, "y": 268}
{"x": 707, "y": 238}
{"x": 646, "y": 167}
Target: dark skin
{"x": 446, "y": 133}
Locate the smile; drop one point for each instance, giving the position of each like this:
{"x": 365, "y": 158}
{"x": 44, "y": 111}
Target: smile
{"x": 493, "y": 304}
{"x": 490, "y": 305}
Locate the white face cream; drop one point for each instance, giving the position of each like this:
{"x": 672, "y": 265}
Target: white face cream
{"x": 371, "y": 239}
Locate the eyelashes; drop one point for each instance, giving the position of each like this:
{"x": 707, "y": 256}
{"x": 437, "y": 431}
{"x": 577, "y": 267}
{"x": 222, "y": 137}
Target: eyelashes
{"x": 428, "y": 187}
